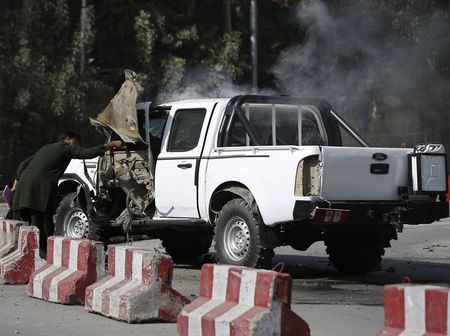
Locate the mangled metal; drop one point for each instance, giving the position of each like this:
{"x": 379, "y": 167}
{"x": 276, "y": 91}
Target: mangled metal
{"x": 132, "y": 170}
{"x": 120, "y": 114}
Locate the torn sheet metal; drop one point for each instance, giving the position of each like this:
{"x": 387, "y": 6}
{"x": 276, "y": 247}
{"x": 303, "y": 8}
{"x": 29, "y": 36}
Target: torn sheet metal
{"x": 120, "y": 114}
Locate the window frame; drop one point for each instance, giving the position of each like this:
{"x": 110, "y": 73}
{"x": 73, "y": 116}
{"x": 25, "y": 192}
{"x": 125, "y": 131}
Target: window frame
{"x": 172, "y": 127}
{"x": 246, "y": 108}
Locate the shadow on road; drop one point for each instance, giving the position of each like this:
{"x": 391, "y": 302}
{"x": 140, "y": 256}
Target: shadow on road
{"x": 315, "y": 281}
{"x": 392, "y": 270}
{"x": 317, "y": 267}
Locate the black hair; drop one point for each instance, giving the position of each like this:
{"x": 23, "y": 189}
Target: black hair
{"x": 69, "y": 133}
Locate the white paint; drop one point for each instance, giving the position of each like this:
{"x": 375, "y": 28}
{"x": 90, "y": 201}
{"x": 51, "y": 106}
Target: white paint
{"x": 115, "y": 296}
{"x": 119, "y": 262}
{"x": 73, "y": 257}
{"x": 222, "y": 322}
{"x": 38, "y": 261}
{"x": 73, "y": 267}
{"x": 137, "y": 265}
{"x": 219, "y": 292}
{"x": 414, "y": 306}
{"x": 220, "y": 282}
{"x": 414, "y": 309}
{"x": 57, "y": 251}
{"x": 97, "y": 293}
{"x": 9, "y": 233}
{"x": 76, "y": 166}
{"x": 136, "y": 281}
{"x": 346, "y": 174}
{"x": 434, "y": 173}
{"x": 256, "y": 172}
{"x": 53, "y": 290}
{"x": 246, "y": 302}
{"x": 195, "y": 317}
{"x": 11, "y": 256}
{"x": 248, "y": 287}
{"x": 415, "y": 179}
{"x": 8, "y": 239}
{"x": 9, "y": 259}
{"x": 2, "y": 234}
{"x": 39, "y": 278}
{"x": 169, "y": 176}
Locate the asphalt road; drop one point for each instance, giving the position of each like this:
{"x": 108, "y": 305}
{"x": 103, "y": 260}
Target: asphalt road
{"x": 331, "y": 303}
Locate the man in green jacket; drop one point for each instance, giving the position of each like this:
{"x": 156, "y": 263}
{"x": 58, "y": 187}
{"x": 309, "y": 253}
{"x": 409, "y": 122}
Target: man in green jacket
{"x": 37, "y": 181}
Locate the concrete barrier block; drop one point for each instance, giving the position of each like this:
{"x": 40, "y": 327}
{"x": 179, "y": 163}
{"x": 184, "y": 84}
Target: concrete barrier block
{"x": 72, "y": 265}
{"x": 17, "y": 266}
{"x": 9, "y": 232}
{"x": 138, "y": 287}
{"x": 416, "y": 310}
{"x": 241, "y": 301}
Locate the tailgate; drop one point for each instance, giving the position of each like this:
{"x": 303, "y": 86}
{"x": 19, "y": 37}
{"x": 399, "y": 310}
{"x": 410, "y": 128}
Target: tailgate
{"x": 363, "y": 174}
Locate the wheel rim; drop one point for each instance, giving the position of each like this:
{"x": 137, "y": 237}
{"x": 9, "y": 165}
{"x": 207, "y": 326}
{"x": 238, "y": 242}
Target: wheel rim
{"x": 236, "y": 238}
{"x": 77, "y": 225}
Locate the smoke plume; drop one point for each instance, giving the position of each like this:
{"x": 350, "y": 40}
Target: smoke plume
{"x": 375, "y": 67}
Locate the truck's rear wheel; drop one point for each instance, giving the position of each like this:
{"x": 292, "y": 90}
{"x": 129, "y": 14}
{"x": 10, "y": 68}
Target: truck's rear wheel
{"x": 185, "y": 246}
{"x": 237, "y": 237}
{"x": 354, "y": 253}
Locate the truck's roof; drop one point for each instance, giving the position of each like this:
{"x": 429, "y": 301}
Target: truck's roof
{"x": 199, "y": 100}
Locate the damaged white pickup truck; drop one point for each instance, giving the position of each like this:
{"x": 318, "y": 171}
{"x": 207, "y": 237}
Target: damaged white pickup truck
{"x": 256, "y": 172}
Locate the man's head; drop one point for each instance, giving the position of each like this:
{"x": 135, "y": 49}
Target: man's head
{"x": 71, "y": 137}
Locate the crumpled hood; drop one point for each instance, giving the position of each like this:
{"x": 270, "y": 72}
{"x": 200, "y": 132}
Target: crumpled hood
{"x": 120, "y": 114}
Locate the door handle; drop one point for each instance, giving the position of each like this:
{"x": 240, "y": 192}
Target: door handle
{"x": 185, "y": 165}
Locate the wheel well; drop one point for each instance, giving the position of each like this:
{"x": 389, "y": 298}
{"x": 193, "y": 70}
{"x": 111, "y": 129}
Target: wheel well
{"x": 270, "y": 236}
{"x": 225, "y": 193}
{"x": 66, "y": 187}
{"x": 70, "y": 186}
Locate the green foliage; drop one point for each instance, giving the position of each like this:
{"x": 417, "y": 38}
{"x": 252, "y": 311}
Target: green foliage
{"x": 146, "y": 34}
{"x": 42, "y": 88}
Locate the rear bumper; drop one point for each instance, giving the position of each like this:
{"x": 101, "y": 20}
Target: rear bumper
{"x": 376, "y": 212}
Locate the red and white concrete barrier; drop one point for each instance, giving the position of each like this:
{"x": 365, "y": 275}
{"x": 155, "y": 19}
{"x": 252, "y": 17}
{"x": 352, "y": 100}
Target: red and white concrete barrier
{"x": 17, "y": 266}
{"x": 72, "y": 265}
{"x": 241, "y": 301}
{"x": 416, "y": 310}
{"x": 138, "y": 287}
{"x": 9, "y": 231}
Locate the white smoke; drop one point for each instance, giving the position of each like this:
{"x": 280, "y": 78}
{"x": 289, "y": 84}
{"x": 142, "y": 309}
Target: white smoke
{"x": 381, "y": 80}
{"x": 203, "y": 82}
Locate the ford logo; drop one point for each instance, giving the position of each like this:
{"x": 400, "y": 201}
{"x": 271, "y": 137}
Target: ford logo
{"x": 379, "y": 156}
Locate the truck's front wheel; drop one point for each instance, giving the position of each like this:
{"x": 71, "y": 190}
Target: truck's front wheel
{"x": 71, "y": 219}
{"x": 237, "y": 237}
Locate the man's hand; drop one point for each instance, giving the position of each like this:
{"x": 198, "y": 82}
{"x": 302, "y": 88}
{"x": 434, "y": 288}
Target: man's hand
{"x": 14, "y": 185}
{"x": 113, "y": 144}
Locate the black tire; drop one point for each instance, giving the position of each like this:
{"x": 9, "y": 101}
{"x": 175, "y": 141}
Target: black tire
{"x": 354, "y": 253}
{"x": 71, "y": 219}
{"x": 237, "y": 237}
{"x": 185, "y": 246}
